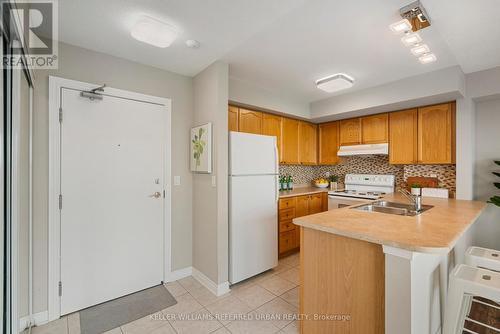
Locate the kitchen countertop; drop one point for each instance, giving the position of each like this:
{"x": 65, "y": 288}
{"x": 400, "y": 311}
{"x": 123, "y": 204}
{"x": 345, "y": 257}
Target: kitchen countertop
{"x": 434, "y": 231}
{"x": 302, "y": 191}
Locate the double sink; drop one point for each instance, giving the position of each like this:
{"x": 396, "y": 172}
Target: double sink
{"x": 394, "y": 208}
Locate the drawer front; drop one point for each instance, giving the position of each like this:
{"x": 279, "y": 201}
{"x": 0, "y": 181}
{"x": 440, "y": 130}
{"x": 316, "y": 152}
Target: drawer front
{"x": 286, "y": 214}
{"x": 287, "y": 241}
{"x": 286, "y": 203}
{"x": 286, "y": 226}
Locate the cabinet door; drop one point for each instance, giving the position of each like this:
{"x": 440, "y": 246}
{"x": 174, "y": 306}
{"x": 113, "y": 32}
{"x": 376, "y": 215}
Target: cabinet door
{"x": 302, "y": 206}
{"x": 315, "y": 203}
{"x": 375, "y": 129}
{"x": 436, "y": 134}
{"x": 233, "y": 118}
{"x": 308, "y": 141}
{"x": 328, "y": 143}
{"x": 271, "y": 126}
{"x": 350, "y": 132}
{"x": 290, "y": 141}
{"x": 403, "y": 137}
{"x": 250, "y": 121}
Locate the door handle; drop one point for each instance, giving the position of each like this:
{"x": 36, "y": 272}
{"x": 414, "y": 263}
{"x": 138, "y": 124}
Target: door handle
{"x": 156, "y": 195}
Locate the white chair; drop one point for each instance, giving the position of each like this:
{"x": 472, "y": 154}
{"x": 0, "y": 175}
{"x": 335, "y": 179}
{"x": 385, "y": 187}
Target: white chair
{"x": 465, "y": 283}
{"x": 483, "y": 258}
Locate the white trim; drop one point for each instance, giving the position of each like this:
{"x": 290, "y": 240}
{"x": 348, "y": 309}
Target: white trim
{"x": 40, "y": 318}
{"x": 398, "y": 252}
{"x": 55, "y": 85}
{"x": 15, "y": 137}
{"x": 216, "y": 289}
{"x": 179, "y": 274}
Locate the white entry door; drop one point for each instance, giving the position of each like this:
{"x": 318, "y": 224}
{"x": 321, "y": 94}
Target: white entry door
{"x": 112, "y": 176}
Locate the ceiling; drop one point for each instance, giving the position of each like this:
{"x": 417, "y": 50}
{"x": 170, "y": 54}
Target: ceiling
{"x": 284, "y": 46}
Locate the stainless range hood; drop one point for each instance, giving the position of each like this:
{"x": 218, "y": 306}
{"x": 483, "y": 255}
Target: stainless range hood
{"x": 370, "y": 149}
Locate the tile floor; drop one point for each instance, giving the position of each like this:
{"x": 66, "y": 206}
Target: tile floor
{"x": 250, "y": 307}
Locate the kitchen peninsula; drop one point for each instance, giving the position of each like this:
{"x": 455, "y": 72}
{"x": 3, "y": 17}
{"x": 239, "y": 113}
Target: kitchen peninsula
{"x": 381, "y": 273}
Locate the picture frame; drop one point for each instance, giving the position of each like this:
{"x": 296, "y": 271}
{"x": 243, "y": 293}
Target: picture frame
{"x": 201, "y": 148}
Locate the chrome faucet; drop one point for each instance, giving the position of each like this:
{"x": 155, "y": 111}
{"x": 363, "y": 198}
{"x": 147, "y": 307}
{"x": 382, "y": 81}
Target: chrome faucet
{"x": 416, "y": 200}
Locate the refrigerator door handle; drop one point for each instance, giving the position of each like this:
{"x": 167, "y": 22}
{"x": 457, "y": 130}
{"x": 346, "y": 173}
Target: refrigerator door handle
{"x": 277, "y": 169}
{"x": 277, "y": 188}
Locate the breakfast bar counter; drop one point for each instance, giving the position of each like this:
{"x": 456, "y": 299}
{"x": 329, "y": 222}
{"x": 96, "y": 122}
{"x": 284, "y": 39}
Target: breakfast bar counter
{"x": 433, "y": 231}
{"x": 367, "y": 272}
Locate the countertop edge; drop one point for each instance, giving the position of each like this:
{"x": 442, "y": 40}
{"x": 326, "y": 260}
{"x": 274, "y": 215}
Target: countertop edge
{"x": 301, "y": 192}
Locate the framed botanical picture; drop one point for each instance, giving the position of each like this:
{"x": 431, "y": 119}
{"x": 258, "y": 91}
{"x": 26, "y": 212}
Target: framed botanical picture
{"x": 201, "y": 148}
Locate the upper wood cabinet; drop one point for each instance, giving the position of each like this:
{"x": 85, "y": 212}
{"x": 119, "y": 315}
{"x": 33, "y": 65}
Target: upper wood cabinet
{"x": 271, "y": 126}
{"x": 403, "y": 137}
{"x": 375, "y": 129}
{"x": 308, "y": 139}
{"x": 350, "y": 132}
{"x": 436, "y": 134}
{"x": 233, "y": 118}
{"x": 290, "y": 141}
{"x": 328, "y": 143}
{"x": 250, "y": 121}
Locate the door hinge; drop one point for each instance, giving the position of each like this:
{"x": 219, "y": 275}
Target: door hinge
{"x": 60, "y": 288}
{"x": 60, "y": 202}
{"x": 60, "y": 115}
{"x": 164, "y": 194}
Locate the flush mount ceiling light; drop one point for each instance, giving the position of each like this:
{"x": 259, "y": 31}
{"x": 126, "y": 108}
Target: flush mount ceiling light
{"x": 335, "y": 82}
{"x": 428, "y": 58}
{"x": 401, "y": 26}
{"x": 420, "y": 50}
{"x": 411, "y": 39}
{"x": 152, "y": 31}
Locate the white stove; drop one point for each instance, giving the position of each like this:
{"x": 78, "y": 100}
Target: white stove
{"x": 361, "y": 187}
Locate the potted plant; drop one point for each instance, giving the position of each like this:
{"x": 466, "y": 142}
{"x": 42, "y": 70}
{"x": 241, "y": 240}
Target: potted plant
{"x": 496, "y": 199}
{"x": 333, "y": 182}
{"x": 416, "y": 189}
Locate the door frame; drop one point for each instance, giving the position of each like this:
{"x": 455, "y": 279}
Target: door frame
{"x": 56, "y": 84}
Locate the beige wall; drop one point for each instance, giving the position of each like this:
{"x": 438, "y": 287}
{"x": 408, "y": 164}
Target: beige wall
{"x": 487, "y": 149}
{"x": 89, "y": 66}
{"x": 210, "y": 201}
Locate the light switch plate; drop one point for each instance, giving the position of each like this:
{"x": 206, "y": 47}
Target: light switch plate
{"x": 214, "y": 182}
{"x": 177, "y": 180}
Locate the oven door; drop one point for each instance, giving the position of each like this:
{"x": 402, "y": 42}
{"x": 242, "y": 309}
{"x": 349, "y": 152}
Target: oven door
{"x": 338, "y": 202}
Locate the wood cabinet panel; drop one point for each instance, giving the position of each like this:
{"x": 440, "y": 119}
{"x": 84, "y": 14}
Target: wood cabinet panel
{"x": 290, "y": 141}
{"x": 285, "y": 203}
{"x": 350, "y": 132}
{"x": 308, "y": 139}
{"x": 436, "y": 134}
{"x": 375, "y": 129}
{"x": 288, "y": 241}
{"x": 328, "y": 143}
{"x": 349, "y": 280}
{"x": 233, "y": 118}
{"x": 250, "y": 121}
{"x": 302, "y": 206}
{"x": 286, "y": 225}
{"x": 315, "y": 203}
{"x": 403, "y": 137}
{"x": 271, "y": 126}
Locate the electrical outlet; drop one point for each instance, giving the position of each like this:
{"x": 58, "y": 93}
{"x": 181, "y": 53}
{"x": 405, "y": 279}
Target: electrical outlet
{"x": 177, "y": 180}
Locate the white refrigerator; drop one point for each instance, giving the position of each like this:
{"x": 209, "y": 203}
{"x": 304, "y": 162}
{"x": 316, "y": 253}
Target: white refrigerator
{"x": 253, "y": 197}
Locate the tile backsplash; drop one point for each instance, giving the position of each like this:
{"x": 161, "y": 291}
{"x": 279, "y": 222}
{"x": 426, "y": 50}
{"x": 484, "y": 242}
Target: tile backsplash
{"x": 376, "y": 164}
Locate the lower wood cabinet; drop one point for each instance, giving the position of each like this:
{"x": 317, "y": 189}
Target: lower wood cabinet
{"x": 294, "y": 207}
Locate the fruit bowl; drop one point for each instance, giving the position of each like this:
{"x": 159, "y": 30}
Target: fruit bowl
{"x": 321, "y": 183}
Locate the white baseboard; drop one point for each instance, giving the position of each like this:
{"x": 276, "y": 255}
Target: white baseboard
{"x": 180, "y": 273}
{"x": 40, "y": 318}
{"x": 216, "y": 289}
